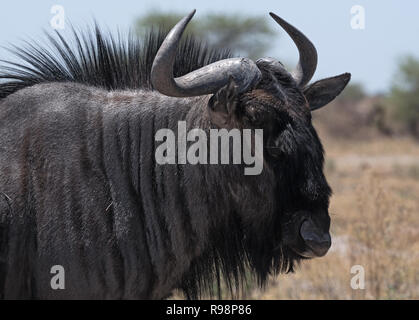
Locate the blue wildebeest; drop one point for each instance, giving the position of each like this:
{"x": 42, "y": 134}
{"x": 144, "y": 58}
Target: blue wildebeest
{"x": 80, "y": 186}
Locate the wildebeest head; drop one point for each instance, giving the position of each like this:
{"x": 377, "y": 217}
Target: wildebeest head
{"x": 263, "y": 94}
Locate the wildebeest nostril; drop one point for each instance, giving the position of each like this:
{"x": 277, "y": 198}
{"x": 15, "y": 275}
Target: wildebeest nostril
{"x": 316, "y": 240}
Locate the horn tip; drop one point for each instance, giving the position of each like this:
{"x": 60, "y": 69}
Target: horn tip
{"x": 273, "y": 15}
{"x": 189, "y": 16}
{"x": 278, "y": 19}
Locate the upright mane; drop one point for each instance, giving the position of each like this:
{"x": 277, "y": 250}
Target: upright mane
{"x": 99, "y": 59}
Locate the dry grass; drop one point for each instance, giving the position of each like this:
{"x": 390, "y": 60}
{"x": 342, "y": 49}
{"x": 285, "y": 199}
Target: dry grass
{"x": 375, "y": 224}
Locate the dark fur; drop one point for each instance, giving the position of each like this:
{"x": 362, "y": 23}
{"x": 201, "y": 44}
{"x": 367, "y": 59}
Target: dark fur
{"x": 79, "y": 186}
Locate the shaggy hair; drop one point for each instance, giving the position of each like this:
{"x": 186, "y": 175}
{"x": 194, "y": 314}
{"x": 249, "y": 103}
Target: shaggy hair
{"x": 100, "y": 60}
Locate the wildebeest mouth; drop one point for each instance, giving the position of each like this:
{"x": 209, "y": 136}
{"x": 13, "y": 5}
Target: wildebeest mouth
{"x": 310, "y": 237}
{"x": 316, "y": 242}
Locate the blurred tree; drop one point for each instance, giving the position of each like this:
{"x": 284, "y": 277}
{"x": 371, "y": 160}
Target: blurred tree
{"x": 404, "y": 96}
{"x": 248, "y": 36}
{"x": 353, "y": 93}
{"x": 164, "y": 21}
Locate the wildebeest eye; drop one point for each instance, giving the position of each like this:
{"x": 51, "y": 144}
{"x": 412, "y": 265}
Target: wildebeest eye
{"x": 251, "y": 109}
{"x": 251, "y": 114}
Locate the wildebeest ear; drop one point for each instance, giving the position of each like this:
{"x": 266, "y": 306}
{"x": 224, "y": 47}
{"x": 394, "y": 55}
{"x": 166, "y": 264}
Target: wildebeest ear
{"x": 324, "y": 91}
{"x": 222, "y": 105}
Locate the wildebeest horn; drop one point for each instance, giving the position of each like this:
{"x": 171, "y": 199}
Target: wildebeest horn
{"x": 308, "y": 53}
{"x": 205, "y": 80}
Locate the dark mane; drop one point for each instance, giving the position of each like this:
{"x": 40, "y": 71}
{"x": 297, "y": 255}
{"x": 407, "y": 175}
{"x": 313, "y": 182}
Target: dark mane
{"x": 99, "y": 59}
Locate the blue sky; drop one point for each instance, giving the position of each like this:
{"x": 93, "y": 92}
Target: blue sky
{"x": 391, "y": 28}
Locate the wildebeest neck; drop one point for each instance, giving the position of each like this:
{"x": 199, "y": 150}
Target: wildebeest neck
{"x": 184, "y": 209}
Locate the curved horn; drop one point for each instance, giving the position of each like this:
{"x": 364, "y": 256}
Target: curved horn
{"x": 308, "y": 53}
{"x": 205, "y": 80}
